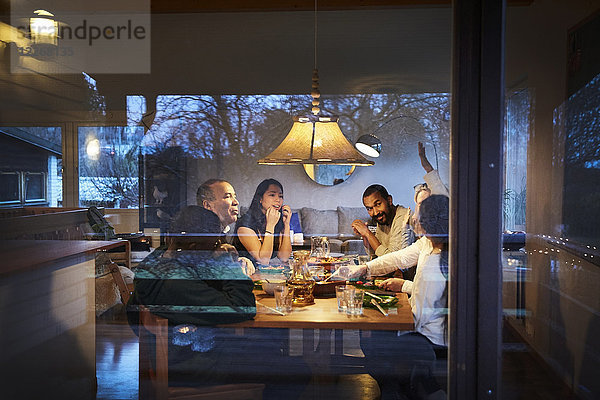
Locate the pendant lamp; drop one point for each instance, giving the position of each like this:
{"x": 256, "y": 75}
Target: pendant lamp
{"x": 314, "y": 138}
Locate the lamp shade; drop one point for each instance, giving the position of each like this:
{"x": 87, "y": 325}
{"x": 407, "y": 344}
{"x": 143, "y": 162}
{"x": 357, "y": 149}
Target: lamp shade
{"x": 369, "y": 145}
{"x": 315, "y": 140}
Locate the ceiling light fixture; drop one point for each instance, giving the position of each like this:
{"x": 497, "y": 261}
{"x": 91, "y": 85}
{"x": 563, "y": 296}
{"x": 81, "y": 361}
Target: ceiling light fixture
{"x": 43, "y": 28}
{"x": 315, "y": 139}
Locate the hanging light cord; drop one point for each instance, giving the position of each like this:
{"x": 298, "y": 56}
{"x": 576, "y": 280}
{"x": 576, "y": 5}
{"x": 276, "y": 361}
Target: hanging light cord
{"x": 315, "y": 34}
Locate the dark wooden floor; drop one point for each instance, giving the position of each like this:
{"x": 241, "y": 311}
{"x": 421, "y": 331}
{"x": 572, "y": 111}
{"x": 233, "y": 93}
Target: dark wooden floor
{"x": 117, "y": 369}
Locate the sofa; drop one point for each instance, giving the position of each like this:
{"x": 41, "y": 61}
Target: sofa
{"x": 336, "y": 225}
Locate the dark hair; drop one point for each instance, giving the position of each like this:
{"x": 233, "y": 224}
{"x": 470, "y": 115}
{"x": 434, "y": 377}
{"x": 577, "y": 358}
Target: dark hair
{"x": 434, "y": 219}
{"x": 199, "y": 224}
{"x": 205, "y": 191}
{"x": 376, "y": 188}
{"x": 255, "y": 209}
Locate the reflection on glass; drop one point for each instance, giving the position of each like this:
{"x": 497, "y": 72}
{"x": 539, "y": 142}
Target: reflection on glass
{"x": 30, "y": 161}
{"x": 516, "y": 138}
{"x": 329, "y": 175}
{"x": 108, "y": 173}
{"x": 581, "y": 193}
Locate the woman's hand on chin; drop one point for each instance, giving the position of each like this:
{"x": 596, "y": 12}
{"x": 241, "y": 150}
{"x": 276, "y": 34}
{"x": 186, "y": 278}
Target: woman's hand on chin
{"x": 286, "y": 211}
{"x": 272, "y": 216}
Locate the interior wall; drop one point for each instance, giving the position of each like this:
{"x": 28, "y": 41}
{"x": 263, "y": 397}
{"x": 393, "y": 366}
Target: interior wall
{"x": 398, "y": 176}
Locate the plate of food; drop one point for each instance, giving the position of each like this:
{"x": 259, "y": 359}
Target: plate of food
{"x": 385, "y": 301}
{"x": 372, "y": 288}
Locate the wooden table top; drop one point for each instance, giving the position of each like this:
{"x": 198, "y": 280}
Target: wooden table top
{"x": 21, "y": 255}
{"x": 324, "y": 315}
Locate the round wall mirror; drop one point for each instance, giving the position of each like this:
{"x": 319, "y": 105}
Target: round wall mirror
{"x": 328, "y": 175}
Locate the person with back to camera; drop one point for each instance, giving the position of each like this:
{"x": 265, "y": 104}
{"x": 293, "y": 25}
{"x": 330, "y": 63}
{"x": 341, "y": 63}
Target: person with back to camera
{"x": 264, "y": 231}
{"x": 194, "y": 281}
{"x": 392, "y": 359}
{"x": 196, "y": 284}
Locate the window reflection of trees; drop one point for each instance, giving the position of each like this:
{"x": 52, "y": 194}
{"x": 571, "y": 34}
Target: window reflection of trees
{"x": 109, "y": 179}
{"x": 238, "y": 129}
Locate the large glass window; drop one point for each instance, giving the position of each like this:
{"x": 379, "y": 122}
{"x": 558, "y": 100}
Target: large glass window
{"x": 552, "y": 154}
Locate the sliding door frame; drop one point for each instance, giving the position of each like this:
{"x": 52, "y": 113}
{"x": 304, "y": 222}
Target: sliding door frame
{"x": 476, "y": 166}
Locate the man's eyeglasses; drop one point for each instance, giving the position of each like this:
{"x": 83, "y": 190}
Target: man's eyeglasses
{"x": 420, "y": 187}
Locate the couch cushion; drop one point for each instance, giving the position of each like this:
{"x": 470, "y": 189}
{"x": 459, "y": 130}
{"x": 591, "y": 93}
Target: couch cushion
{"x": 346, "y": 215}
{"x": 319, "y": 222}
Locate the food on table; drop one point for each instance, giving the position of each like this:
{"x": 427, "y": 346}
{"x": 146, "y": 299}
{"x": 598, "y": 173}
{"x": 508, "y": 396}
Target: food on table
{"x": 385, "y": 302}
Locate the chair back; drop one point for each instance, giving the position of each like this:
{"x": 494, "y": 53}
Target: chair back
{"x": 124, "y": 289}
{"x": 154, "y": 374}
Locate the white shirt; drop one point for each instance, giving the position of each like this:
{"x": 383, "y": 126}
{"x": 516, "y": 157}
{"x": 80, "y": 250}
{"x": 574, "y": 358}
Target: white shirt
{"x": 428, "y": 294}
{"x": 435, "y": 184}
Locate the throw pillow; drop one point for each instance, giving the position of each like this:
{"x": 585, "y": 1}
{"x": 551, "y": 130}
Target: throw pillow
{"x": 319, "y": 222}
{"x": 346, "y": 215}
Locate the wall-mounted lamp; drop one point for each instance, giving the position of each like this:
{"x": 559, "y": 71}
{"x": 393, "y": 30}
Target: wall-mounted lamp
{"x": 369, "y": 145}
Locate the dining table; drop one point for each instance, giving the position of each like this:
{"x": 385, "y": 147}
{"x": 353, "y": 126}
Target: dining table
{"x": 323, "y": 329}
{"x": 324, "y": 314}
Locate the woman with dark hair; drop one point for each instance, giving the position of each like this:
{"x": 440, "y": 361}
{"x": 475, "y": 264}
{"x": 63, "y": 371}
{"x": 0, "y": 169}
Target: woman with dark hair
{"x": 394, "y": 359}
{"x": 264, "y": 231}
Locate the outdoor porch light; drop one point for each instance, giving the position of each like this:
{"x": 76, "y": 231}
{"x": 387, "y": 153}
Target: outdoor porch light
{"x": 315, "y": 139}
{"x": 369, "y": 145}
{"x": 43, "y": 28}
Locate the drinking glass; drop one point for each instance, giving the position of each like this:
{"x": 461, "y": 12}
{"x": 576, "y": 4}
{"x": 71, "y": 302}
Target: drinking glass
{"x": 319, "y": 246}
{"x": 341, "y": 300}
{"x": 363, "y": 259}
{"x": 341, "y": 273}
{"x": 354, "y": 301}
{"x": 283, "y": 299}
{"x": 318, "y": 272}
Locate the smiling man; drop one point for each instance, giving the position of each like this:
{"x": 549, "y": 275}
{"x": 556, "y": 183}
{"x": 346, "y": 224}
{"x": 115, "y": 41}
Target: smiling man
{"x": 218, "y": 196}
{"x": 393, "y": 232}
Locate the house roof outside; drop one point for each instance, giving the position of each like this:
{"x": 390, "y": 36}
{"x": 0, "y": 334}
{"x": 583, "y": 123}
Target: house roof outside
{"x": 27, "y": 137}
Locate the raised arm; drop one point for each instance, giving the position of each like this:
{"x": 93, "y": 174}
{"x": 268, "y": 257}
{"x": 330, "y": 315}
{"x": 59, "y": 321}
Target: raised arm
{"x": 424, "y": 161}
{"x": 432, "y": 177}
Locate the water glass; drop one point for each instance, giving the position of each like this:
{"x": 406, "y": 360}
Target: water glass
{"x": 319, "y": 246}
{"x": 340, "y": 296}
{"x": 354, "y": 301}
{"x": 283, "y": 299}
{"x": 341, "y": 273}
{"x": 318, "y": 272}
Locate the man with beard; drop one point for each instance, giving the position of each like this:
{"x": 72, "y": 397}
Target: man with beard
{"x": 218, "y": 196}
{"x": 393, "y": 231}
